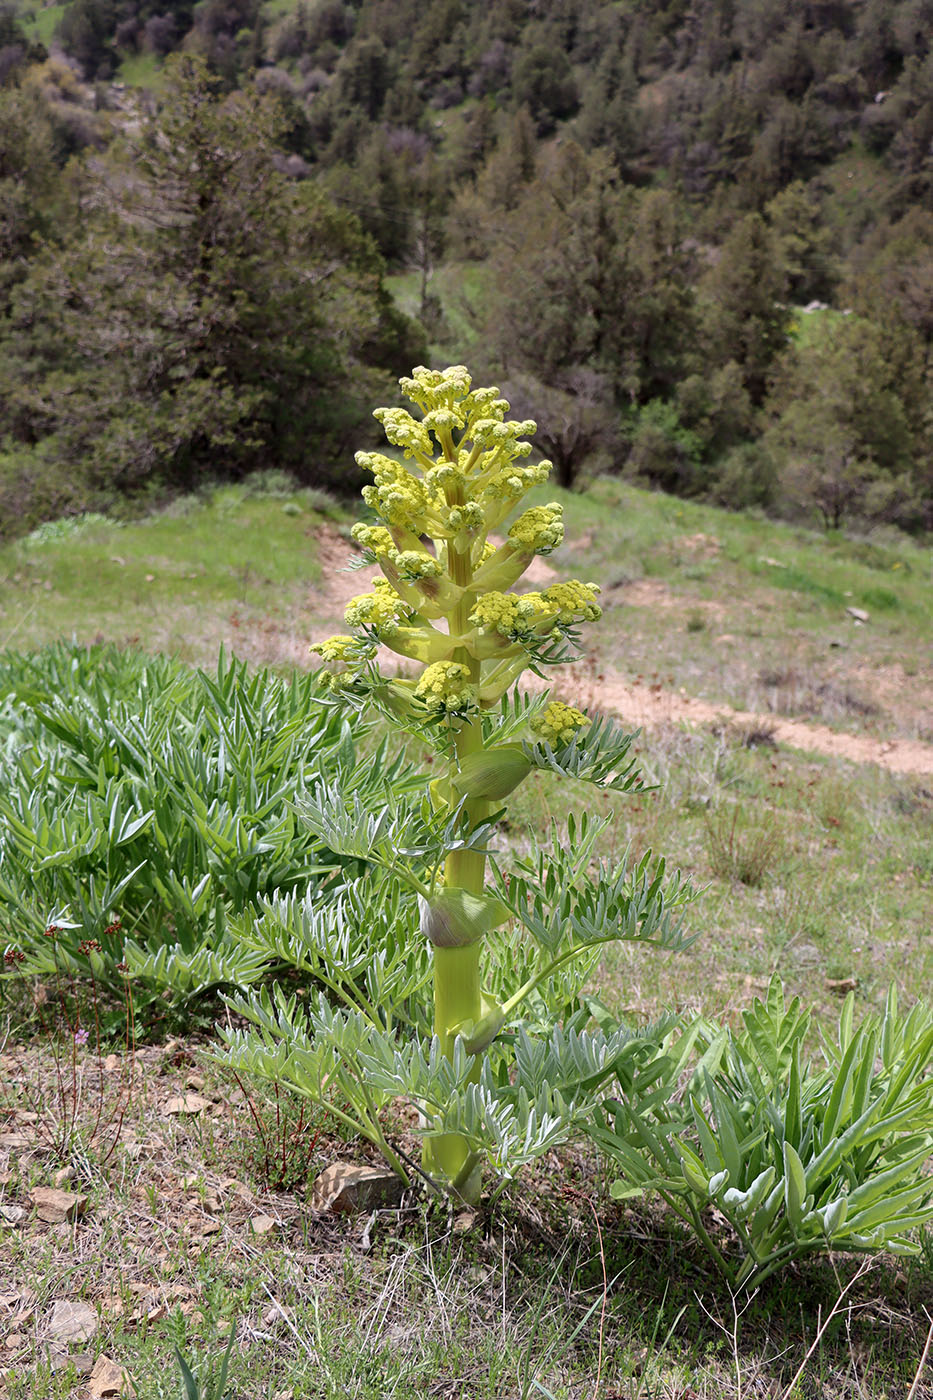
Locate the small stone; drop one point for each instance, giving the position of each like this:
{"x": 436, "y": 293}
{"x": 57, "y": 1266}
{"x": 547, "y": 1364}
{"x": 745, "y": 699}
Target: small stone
{"x": 62, "y": 1175}
{"x": 108, "y": 1378}
{"x": 859, "y": 614}
{"x": 82, "y": 1362}
{"x": 14, "y": 1341}
{"x": 55, "y": 1206}
{"x": 185, "y": 1104}
{"x": 211, "y": 1227}
{"x": 72, "y": 1322}
{"x": 344, "y": 1189}
{"x": 12, "y": 1215}
{"x": 261, "y": 1224}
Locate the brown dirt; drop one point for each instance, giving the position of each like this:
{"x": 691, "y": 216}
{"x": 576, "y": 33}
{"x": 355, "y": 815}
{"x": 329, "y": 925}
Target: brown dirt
{"x": 649, "y": 706}
{"x": 639, "y": 704}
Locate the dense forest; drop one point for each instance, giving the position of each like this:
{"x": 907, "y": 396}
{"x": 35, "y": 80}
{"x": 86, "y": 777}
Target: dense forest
{"x": 693, "y": 240}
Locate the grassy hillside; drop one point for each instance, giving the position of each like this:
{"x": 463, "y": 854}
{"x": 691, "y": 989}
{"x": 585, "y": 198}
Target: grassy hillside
{"x": 184, "y": 581}
{"x": 818, "y": 869}
{"x": 728, "y": 606}
{"x": 741, "y": 609}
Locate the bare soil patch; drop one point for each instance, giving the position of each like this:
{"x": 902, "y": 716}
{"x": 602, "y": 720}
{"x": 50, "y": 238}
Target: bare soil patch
{"x": 637, "y": 703}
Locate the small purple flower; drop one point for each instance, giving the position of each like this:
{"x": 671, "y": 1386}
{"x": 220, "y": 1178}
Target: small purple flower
{"x": 81, "y": 1036}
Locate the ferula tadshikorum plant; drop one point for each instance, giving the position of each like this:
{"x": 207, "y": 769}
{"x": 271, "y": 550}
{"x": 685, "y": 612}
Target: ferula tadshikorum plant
{"x": 493, "y": 1082}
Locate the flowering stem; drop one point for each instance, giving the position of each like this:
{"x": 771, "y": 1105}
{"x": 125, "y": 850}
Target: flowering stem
{"x": 457, "y": 987}
{"x": 449, "y": 604}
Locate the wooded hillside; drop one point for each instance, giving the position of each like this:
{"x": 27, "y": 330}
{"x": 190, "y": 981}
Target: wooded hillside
{"x": 695, "y": 242}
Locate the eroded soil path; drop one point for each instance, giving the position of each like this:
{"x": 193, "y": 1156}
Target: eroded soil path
{"x": 646, "y": 706}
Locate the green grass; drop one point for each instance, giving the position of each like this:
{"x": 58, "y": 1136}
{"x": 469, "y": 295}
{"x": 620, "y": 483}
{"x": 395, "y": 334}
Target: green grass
{"x": 182, "y": 581}
{"x": 41, "y": 22}
{"x": 773, "y": 597}
{"x": 823, "y": 876}
{"x": 541, "y": 1296}
{"x": 140, "y": 70}
{"x": 458, "y": 286}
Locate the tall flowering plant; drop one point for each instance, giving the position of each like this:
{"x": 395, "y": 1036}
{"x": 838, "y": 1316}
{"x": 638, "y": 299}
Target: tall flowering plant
{"x": 487, "y": 1085}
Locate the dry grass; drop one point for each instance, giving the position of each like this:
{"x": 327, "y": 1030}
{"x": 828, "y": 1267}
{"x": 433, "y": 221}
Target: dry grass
{"x": 407, "y": 1303}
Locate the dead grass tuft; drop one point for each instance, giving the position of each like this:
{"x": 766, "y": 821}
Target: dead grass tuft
{"x": 745, "y": 849}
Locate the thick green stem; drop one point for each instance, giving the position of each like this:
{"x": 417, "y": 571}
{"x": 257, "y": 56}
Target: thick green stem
{"x": 457, "y": 991}
{"x": 457, "y": 984}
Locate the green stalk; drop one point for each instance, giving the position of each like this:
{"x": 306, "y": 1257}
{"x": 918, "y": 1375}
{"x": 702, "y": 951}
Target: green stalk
{"x": 457, "y": 985}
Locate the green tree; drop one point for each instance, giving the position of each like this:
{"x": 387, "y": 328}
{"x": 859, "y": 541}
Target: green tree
{"x": 212, "y": 317}
{"x": 840, "y": 428}
{"x": 543, "y": 82}
{"x": 806, "y": 242}
{"x": 362, "y": 78}
{"x": 85, "y": 31}
{"x": 745, "y": 318}
{"x": 890, "y": 283}
{"x": 612, "y": 276}
{"x": 28, "y": 176}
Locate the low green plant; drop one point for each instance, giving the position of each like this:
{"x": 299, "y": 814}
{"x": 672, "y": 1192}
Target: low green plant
{"x": 56, "y": 532}
{"x": 798, "y": 1157}
{"x": 143, "y": 805}
{"x": 213, "y": 1389}
{"x": 487, "y": 1037}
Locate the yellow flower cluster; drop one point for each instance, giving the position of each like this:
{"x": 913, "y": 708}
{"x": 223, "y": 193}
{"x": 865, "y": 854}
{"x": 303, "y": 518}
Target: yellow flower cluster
{"x": 446, "y": 686}
{"x": 559, "y": 723}
{"x": 341, "y": 649}
{"x": 515, "y": 615}
{"x": 509, "y": 482}
{"x": 573, "y": 601}
{"x": 343, "y": 657}
{"x": 382, "y": 610}
{"x": 375, "y": 539}
{"x": 512, "y": 615}
{"x": 444, "y": 600}
{"x": 429, "y": 388}
{"x": 540, "y": 529}
{"x": 403, "y": 431}
{"x": 408, "y": 564}
{"x": 398, "y": 496}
